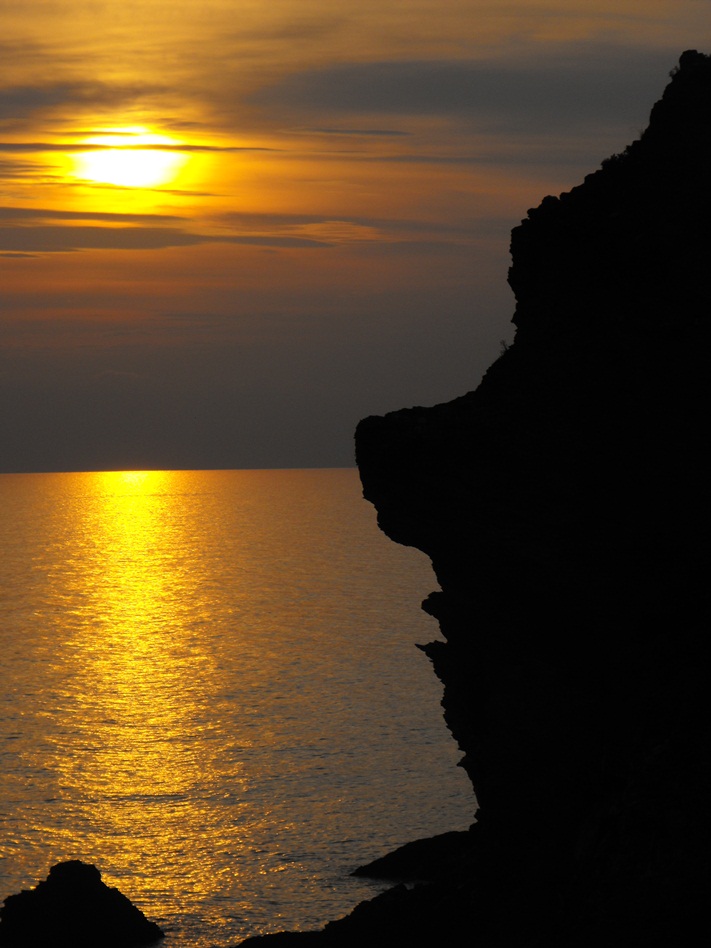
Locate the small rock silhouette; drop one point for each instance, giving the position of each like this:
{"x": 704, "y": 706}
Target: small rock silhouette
{"x": 73, "y": 908}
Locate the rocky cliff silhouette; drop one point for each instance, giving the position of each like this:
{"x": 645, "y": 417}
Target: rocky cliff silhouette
{"x": 564, "y": 505}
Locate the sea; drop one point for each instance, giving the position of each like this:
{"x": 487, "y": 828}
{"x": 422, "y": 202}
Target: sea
{"x": 210, "y": 690}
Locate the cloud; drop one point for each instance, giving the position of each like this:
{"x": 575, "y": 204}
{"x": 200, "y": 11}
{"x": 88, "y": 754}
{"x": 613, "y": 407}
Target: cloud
{"x": 17, "y": 102}
{"x": 59, "y": 239}
{"x": 568, "y": 86}
{"x": 266, "y": 241}
{"x": 74, "y": 146}
{"x": 378, "y": 231}
{"x": 353, "y": 132}
{"x": 24, "y": 214}
{"x": 53, "y": 239}
{"x": 27, "y": 231}
{"x": 299, "y": 29}
{"x": 16, "y": 169}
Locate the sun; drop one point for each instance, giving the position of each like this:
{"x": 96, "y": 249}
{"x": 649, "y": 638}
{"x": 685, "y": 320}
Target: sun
{"x": 124, "y": 157}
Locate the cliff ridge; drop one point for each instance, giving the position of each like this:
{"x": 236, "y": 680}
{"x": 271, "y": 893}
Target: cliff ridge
{"x": 564, "y": 506}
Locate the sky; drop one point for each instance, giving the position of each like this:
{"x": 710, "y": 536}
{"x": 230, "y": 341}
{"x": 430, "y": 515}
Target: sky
{"x": 229, "y": 229}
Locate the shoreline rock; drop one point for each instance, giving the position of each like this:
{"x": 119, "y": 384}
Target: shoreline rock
{"x": 433, "y": 859}
{"x": 74, "y": 908}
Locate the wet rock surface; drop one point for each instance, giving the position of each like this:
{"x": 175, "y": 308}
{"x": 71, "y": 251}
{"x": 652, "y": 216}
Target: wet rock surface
{"x": 73, "y": 908}
{"x": 565, "y": 507}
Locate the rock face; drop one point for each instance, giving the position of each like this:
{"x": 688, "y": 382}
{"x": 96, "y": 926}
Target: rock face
{"x": 564, "y": 505}
{"x": 73, "y": 908}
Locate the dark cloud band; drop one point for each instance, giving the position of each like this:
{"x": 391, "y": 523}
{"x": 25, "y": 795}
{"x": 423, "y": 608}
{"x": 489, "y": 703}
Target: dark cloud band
{"x": 568, "y": 87}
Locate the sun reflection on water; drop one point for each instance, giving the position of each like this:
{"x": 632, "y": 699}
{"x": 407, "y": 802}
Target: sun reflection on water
{"x": 139, "y": 694}
{"x": 189, "y": 703}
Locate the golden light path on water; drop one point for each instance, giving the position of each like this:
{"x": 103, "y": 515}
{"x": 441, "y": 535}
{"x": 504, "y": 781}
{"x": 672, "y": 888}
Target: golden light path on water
{"x": 140, "y": 701}
{"x": 211, "y": 687}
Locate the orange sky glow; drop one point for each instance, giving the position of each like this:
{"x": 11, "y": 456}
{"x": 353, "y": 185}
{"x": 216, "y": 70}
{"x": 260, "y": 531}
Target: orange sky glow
{"x": 228, "y": 230}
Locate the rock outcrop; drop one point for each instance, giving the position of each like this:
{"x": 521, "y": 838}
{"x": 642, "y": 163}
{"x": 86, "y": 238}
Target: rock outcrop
{"x": 73, "y": 908}
{"x": 564, "y": 505}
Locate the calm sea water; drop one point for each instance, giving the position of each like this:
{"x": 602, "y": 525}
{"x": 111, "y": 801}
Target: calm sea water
{"x": 210, "y": 690}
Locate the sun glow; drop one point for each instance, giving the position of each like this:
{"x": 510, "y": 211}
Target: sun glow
{"x": 124, "y": 157}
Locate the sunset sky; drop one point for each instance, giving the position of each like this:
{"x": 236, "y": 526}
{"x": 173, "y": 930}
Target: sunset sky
{"x": 229, "y": 229}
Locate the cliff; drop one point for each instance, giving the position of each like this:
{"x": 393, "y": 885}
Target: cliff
{"x": 564, "y": 505}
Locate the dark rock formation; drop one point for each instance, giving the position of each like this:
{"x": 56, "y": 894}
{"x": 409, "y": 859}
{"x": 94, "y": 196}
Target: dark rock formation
{"x": 564, "y": 505}
{"x": 73, "y": 908}
{"x": 426, "y": 860}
